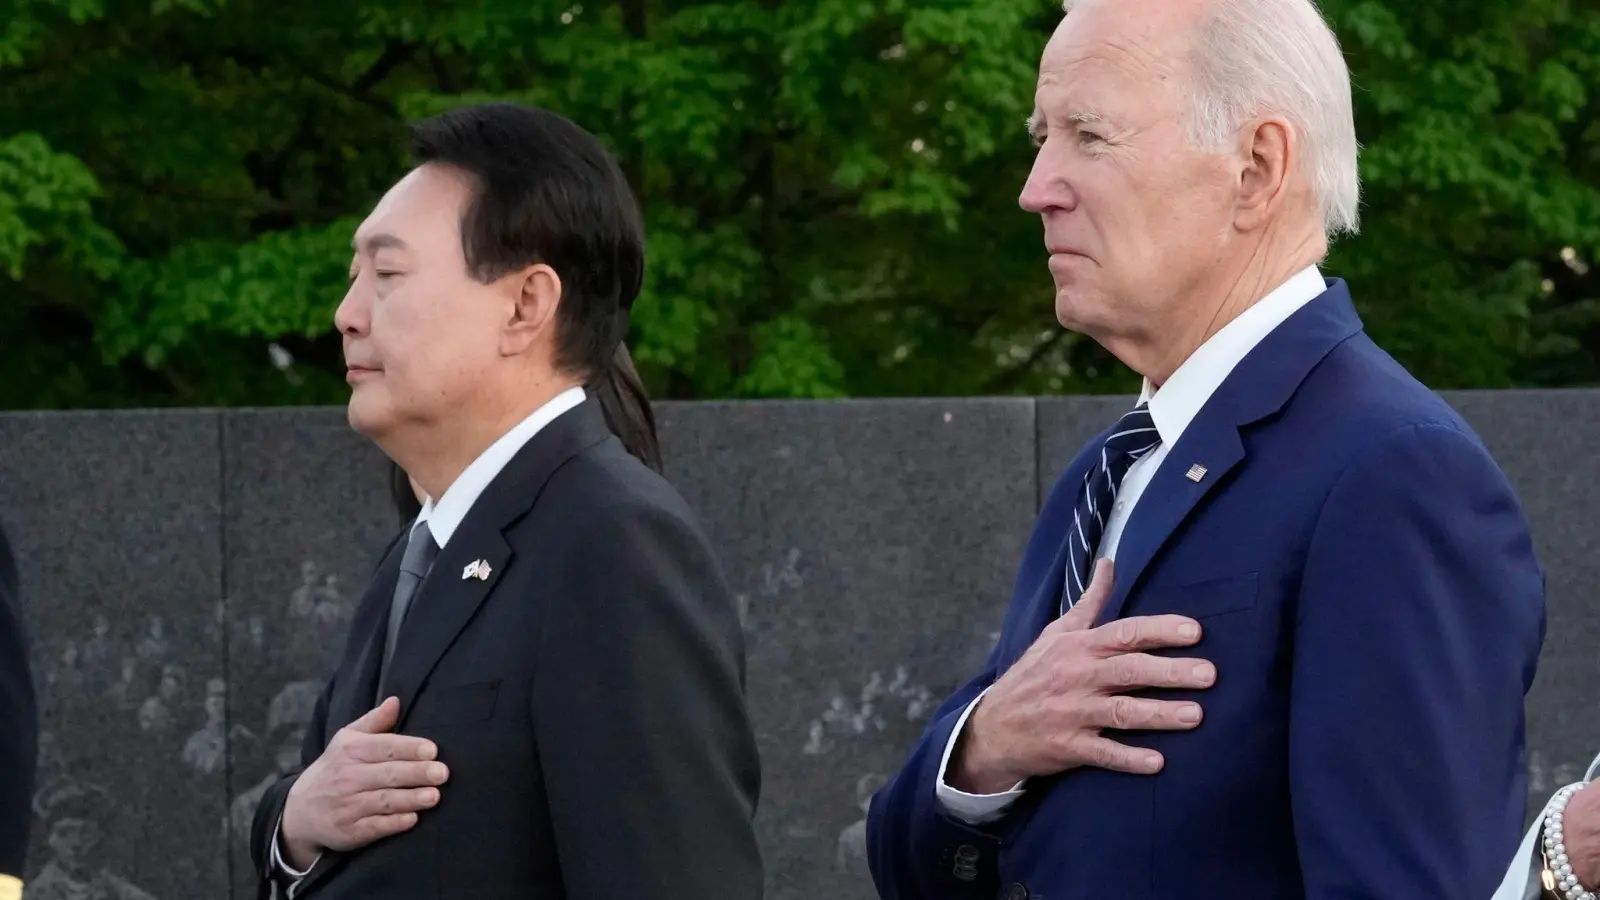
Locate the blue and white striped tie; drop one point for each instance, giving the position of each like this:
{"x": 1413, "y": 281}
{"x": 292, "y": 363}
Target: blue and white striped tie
{"x": 1134, "y": 436}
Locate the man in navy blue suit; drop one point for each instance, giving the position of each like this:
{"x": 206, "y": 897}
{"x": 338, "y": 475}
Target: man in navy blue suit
{"x": 1272, "y": 633}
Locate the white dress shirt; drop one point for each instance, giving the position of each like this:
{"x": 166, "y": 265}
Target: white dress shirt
{"x": 445, "y": 517}
{"x": 1522, "y": 878}
{"x": 1172, "y": 408}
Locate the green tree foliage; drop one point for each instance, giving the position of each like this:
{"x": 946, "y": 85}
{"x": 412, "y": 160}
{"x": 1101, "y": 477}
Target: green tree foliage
{"x": 830, "y": 186}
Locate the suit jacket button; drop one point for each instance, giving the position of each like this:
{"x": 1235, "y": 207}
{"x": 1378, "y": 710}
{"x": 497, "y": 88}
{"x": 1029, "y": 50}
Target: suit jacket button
{"x": 966, "y": 863}
{"x": 1015, "y": 892}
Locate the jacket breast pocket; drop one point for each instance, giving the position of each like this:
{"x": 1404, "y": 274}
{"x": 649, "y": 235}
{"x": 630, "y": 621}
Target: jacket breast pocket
{"x": 1200, "y": 599}
{"x": 456, "y": 704}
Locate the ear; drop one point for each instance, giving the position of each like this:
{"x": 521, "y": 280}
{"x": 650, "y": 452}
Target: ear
{"x": 1267, "y": 149}
{"x": 536, "y": 295}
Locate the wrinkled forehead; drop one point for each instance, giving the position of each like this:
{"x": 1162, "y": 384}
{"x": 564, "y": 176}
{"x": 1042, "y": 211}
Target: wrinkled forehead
{"x": 1129, "y": 56}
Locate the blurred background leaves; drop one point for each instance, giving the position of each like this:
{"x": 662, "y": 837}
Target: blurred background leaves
{"x": 830, "y": 187}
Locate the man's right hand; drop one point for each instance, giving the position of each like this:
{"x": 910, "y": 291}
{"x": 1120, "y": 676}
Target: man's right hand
{"x": 368, "y": 784}
{"x": 1046, "y": 713}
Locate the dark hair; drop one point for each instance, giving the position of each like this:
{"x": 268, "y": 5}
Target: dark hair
{"x": 548, "y": 192}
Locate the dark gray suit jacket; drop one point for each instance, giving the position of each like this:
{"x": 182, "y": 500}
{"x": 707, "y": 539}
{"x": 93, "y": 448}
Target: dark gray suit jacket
{"x": 588, "y": 697}
{"x": 19, "y": 723}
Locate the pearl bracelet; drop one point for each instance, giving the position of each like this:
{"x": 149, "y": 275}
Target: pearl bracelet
{"x": 1555, "y": 848}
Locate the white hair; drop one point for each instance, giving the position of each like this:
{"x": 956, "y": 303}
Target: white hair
{"x": 1279, "y": 57}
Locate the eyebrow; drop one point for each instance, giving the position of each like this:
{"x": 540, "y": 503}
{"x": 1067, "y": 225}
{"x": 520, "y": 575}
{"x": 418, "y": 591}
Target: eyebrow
{"x": 373, "y": 243}
{"x": 1036, "y": 120}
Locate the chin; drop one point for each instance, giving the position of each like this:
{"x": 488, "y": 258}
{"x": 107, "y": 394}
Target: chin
{"x": 1078, "y": 311}
{"x": 367, "y": 416}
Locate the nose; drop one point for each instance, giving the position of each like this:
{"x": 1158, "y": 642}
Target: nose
{"x": 354, "y": 315}
{"x": 1048, "y": 187}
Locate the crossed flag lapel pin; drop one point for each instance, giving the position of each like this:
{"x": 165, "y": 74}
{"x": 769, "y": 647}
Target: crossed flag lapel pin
{"x": 478, "y": 569}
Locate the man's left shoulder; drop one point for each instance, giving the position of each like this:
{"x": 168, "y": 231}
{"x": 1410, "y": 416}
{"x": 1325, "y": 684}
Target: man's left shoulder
{"x": 1361, "y": 401}
{"x": 607, "y": 485}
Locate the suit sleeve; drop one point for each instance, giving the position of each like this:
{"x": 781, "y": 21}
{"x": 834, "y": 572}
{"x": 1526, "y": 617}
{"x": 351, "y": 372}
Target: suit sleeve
{"x": 1419, "y": 625}
{"x": 264, "y": 828}
{"x": 915, "y": 847}
{"x": 19, "y": 724}
{"x": 269, "y": 812}
{"x": 639, "y": 715}
{"x": 1522, "y": 877}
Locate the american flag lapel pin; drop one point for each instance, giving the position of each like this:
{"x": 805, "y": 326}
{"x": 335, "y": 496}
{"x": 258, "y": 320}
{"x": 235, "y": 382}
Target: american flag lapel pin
{"x": 1196, "y": 472}
{"x": 478, "y": 569}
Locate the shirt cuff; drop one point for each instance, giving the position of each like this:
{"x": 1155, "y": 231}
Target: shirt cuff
{"x": 973, "y": 809}
{"x": 281, "y": 864}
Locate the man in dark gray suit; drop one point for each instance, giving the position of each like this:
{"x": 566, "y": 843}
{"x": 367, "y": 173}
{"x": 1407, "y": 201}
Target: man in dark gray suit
{"x": 19, "y": 731}
{"x": 542, "y": 694}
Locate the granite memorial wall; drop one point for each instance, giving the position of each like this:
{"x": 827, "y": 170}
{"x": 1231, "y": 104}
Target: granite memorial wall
{"x": 188, "y": 578}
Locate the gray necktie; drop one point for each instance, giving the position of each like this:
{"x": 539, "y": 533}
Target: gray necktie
{"x": 414, "y": 565}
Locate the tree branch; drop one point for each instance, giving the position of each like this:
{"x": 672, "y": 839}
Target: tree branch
{"x": 1007, "y": 379}
{"x": 635, "y": 18}
{"x": 268, "y": 174}
{"x": 394, "y": 55}
{"x": 442, "y": 76}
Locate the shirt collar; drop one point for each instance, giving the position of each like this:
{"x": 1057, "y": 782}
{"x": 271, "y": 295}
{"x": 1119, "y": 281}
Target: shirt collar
{"x": 445, "y": 517}
{"x": 1181, "y": 398}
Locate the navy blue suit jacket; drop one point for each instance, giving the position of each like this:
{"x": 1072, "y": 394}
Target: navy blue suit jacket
{"x": 1369, "y": 593}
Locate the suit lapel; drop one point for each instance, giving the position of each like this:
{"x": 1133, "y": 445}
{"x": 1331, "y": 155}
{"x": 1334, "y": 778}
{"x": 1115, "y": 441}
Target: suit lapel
{"x": 1045, "y": 604}
{"x": 470, "y": 566}
{"x": 1258, "y": 387}
{"x": 352, "y": 698}
{"x": 1169, "y": 498}
{"x": 445, "y": 603}
{"x": 353, "y": 693}
{"x": 438, "y": 614}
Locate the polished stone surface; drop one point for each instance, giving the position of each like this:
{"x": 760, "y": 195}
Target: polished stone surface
{"x": 871, "y": 546}
{"x": 189, "y": 578}
{"x": 1066, "y": 425}
{"x": 116, "y": 524}
{"x": 305, "y": 517}
{"x": 1545, "y": 443}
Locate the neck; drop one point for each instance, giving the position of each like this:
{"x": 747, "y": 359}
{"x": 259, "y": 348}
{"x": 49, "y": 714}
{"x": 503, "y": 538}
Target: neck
{"x": 435, "y": 454}
{"x": 1225, "y": 293}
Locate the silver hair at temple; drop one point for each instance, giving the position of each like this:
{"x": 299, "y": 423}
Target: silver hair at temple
{"x": 1255, "y": 57}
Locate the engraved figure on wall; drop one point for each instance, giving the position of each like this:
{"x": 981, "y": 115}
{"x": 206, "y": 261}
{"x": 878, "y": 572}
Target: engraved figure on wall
{"x": 206, "y": 751}
{"x": 75, "y": 817}
{"x": 851, "y": 852}
{"x": 287, "y": 716}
